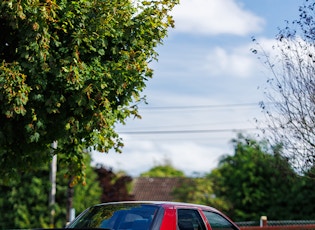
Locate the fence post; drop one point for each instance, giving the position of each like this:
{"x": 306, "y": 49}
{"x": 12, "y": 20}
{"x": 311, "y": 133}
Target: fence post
{"x": 263, "y": 221}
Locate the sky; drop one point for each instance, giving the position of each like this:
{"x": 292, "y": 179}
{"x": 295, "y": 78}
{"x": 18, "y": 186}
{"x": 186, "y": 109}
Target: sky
{"x": 206, "y": 87}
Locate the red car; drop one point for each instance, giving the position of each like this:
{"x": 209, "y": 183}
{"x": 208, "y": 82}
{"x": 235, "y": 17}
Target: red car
{"x": 152, "y": 215}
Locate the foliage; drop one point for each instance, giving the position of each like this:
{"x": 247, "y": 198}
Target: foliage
{"x": 302, "y": 197}
{"x": 70, "y": 70}
{"x": 24, "y": 205}
{"x": 92, "y": 189}
{"x": 115, "y": 187}
{"x": 166, "y": 170}
{"x": 198, "y": 191}
{"x": 289, "y": 103}
{"x": 192, "y": 190}
{"x": 79, "y": 196}
{"x": 254, "y": 182}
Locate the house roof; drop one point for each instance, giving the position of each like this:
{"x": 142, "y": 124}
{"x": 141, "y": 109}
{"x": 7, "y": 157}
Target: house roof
{"x": 155, "y": 188}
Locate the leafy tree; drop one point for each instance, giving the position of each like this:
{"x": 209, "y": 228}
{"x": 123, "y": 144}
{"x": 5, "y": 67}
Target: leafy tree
{"x": 166, "y": 170}
{"x": 69, "y": 71}
{"x": 289, "y": 103}
{"x": 24, "y": 205}
{"x": 253, "y": 181}
{"x": 199, "y": 191}
{"x": 192, "y": 190}
{"x": 302, "y": 197}
{"x": 115, "y": 187}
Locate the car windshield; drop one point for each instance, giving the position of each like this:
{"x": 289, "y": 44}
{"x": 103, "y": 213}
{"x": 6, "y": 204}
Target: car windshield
{"x": 117, "y": 216}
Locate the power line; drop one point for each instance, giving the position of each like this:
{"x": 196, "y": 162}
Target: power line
{"x": 200, "y": 106}
{"x": 185, "y": 131}
{"x": 189, "y": 131}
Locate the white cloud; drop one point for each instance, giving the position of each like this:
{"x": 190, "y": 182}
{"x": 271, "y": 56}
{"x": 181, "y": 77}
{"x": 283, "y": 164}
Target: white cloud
{"x": 191, "y": 157}
{"x": 137, "y": 157}
{"x": 140, "y": 156}
{"x": 238, "y": 62}
{"x": 213, "y": 17}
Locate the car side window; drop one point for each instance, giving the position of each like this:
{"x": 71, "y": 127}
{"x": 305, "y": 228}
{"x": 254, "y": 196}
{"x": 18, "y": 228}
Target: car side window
{"x": 217, "y": 221}
{"x": 189, "y": 219}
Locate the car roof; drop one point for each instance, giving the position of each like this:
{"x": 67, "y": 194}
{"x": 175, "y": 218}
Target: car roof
{"x": 165, "y": 204}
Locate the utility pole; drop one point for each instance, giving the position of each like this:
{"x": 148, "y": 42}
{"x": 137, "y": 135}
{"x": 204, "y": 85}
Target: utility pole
{"x": 52, "y": 178}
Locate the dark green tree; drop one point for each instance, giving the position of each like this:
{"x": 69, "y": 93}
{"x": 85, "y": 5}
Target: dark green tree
{"x": 255, "y": 181}
{"x": 25, "y": 205}
{"x": 69, "y": 71}
{"x": 199, "y": 191}
{"x": 302, "y": 197}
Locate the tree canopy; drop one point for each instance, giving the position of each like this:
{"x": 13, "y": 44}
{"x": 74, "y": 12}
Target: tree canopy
{"x": 163, "y": 170}
{"x": 69, "y": 71}
{"x": 254, "y": 181}
{"x": 25, "y": 204}
{"x": 198, "y": 190}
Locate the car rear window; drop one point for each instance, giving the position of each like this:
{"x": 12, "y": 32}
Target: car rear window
{"x": 189, "y": 219}
{"x": 218, "y": 222}
{"x": 117, "y": 216}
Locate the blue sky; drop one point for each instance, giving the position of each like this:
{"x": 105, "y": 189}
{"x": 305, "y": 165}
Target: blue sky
{"x": 207, "y": 85}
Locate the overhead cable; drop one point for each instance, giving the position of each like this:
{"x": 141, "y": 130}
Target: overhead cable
{"x": 185, "y": 131}
{"x": 199, "y": 106}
